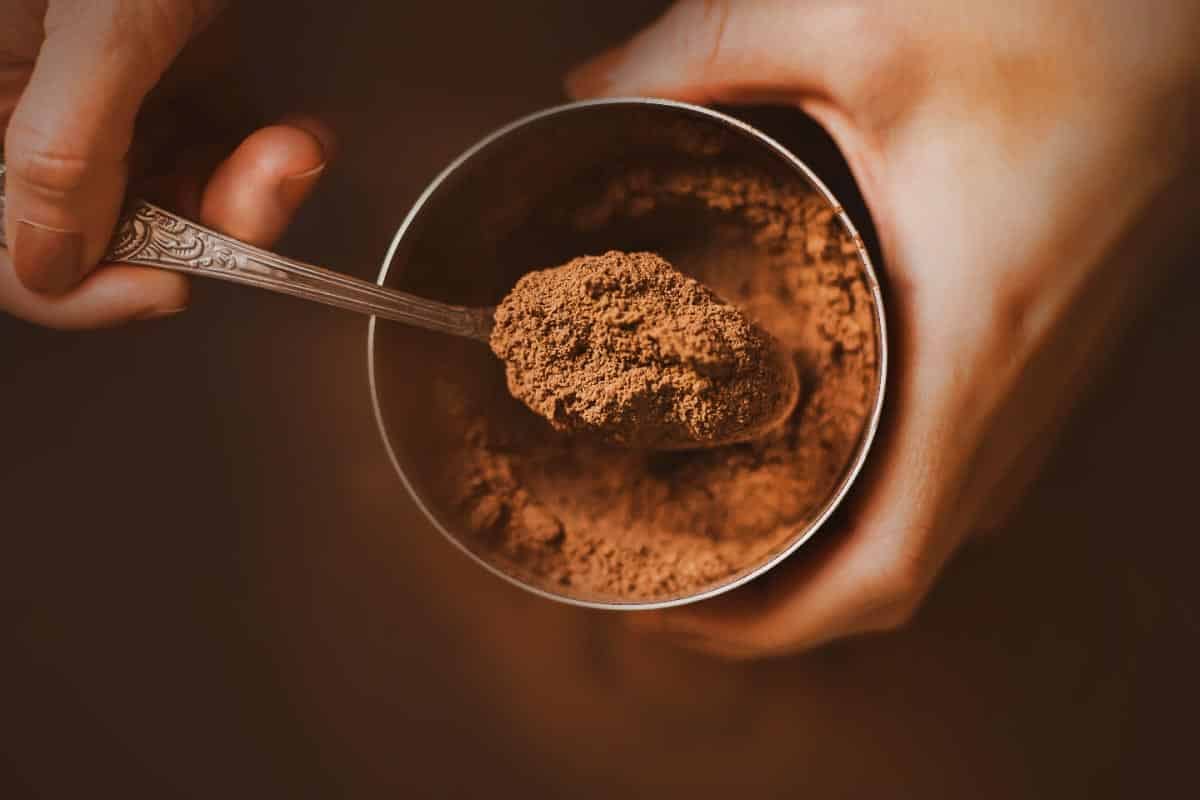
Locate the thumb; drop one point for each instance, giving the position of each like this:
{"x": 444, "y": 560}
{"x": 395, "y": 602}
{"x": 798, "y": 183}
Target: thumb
{"x": 69, "y": 135}
{"x": 723, "y": 50}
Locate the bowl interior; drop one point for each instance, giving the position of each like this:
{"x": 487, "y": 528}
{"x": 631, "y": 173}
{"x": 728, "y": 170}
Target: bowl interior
{"x": 499, "y": 212}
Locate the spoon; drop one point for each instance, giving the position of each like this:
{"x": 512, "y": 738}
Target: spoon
{"x": 150, "y": 236}
{"x": 153, "y": 237}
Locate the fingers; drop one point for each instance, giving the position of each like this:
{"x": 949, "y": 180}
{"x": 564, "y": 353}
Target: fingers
{"x": 723, "y": 50}
{"x": 70, "y": 132}
{"x": 109, "y": 296}
{"x": 252, "y": 196}
{"x": 869, "y": 574}
{"x": 862, "y": 584}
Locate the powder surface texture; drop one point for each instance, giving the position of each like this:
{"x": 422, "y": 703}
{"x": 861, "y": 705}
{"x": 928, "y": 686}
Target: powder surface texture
{"x": 596, "y": 521}
{"x": 623, "y": 346}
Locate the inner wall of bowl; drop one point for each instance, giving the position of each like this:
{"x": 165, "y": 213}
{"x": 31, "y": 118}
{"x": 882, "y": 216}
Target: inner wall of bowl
{"x": 480, "y": 230}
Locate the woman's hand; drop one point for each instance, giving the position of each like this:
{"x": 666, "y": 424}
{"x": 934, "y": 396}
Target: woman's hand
{"x": 1010, "y": 154}
{"x": 73, "y": 76}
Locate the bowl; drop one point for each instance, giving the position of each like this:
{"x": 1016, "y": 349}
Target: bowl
{"x": 722, "y": 201}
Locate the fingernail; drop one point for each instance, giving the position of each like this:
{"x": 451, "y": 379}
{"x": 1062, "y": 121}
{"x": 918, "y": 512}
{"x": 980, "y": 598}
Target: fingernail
{"x": 294, "y": 188}
{"x": 318, "y": 128}
{"x": 159, "y": 313}
{"x": 594, "y": 77}
{"x": 47, "y": 259}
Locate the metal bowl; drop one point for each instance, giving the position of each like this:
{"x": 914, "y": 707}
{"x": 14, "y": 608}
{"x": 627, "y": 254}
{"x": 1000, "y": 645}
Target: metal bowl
{"x": 454, "y": 241}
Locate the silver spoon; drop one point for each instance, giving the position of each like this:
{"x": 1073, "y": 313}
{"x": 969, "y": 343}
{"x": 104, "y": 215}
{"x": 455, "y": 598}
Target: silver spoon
{"x": 153, "y": 237}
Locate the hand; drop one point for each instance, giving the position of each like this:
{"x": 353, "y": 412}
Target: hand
{"x": 73, "y": 76}
{"x": 1009, "y": 154}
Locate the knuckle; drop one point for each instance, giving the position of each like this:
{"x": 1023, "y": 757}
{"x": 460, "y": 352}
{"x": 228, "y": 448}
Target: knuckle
{"x": 169, "y": 20}
{"x": 1017, "y": 310}
{"x": 1013, "y": 319}
{"x": 51, "y": 173}
{"x": 705, "y": 23}
{"x": 895, "y": 592}
{"x": 159, "y": 28}
{"x": 898, "y": 615}
{"x": 885, "y": 73}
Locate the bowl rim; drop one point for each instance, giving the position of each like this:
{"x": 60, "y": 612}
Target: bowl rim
{"x": 809, "y": 529}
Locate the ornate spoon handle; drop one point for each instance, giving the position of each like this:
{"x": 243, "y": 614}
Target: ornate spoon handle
{"x": 153, "y": 237}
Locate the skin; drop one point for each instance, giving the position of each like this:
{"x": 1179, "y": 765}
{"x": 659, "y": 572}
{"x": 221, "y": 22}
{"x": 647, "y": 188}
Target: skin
{"x": 1021, "y": 161}
{"x": 73, "y": 76}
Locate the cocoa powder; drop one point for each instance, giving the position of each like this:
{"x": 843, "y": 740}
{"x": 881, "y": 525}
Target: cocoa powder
{"x": 624, "y": 347}
{"x": 602, "y": 522}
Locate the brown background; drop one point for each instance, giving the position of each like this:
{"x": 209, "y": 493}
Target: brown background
{"x": 212, "y": 584}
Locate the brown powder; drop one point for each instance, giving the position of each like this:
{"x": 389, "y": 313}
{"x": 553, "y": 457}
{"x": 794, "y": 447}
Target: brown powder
{"x": 625, "y": 347}
{"x": 601, "y": 522}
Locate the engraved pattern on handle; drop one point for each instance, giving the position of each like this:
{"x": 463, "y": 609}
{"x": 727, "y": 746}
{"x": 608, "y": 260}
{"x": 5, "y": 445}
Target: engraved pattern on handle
{"x": 153, "y": 237}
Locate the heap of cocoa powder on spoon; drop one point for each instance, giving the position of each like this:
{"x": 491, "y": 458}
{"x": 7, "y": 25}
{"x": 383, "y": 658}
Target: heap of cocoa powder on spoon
{"x": 625, "y": 347}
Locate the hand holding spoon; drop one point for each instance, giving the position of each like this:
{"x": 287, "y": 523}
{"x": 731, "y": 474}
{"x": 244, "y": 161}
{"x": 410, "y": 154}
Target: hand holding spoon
{"x": 151, "y": 236}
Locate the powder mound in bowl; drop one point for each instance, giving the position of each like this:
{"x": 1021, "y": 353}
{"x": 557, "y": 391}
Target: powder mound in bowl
{"x": 624, "y": 346}
{"x": 580, "y": 518}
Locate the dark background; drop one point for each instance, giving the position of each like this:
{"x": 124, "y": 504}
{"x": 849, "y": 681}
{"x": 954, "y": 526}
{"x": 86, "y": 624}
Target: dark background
{"x": 212, "y": 584}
